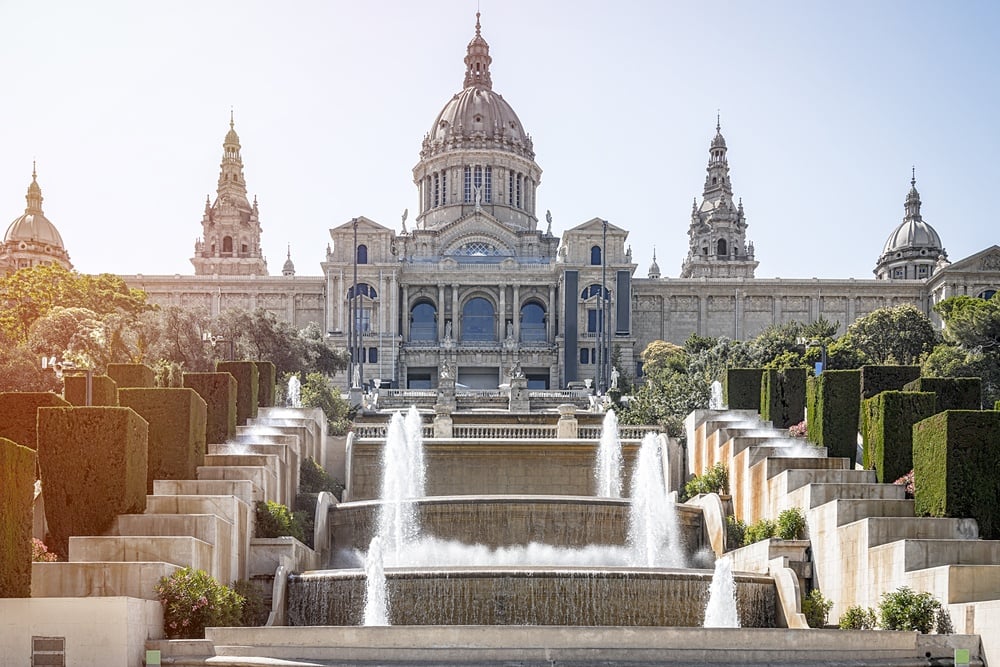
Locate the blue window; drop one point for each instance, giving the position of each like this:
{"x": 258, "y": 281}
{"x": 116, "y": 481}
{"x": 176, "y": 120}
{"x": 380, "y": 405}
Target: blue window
{"x": 595, "y": 255}
{"x": 423, "y": 322}
{"x": 478, "y": 321}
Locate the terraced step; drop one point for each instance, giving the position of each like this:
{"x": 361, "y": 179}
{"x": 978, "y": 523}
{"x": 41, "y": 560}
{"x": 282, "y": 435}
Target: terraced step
{"x": 919, "y": 554}
{"x": 100, "y": 579}
{"x": 885, "y": 529}
{"x": 175, "y": 549}
{"x": 261, "y": 477}
{"x": 953, "y": 584}
{"x": 814, "y": 495}
{"x": 851, "y": 510}
{"x": 206, "y": 527}
{"x": 775, "y": 465}
{"x": 789, "y": 480}
{"x": 244, "y": 489}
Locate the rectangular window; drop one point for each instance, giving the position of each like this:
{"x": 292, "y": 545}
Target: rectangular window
{"x": 488, "y": 185}
{"x": 467, "y": 195}
{"x": 594, "y": 318}
{"x": 437, "y": 190}
{"x": 517, "y": 203}
{"x": 510, "y": 188}
{"x": 444, "y": 188}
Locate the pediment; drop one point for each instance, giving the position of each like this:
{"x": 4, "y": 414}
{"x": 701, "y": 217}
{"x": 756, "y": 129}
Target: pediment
{"x": 596, "y": 226}
{"x": 365, "y": 225}
{"x": 984, "y": 261}
{"x": 476, "y": 226}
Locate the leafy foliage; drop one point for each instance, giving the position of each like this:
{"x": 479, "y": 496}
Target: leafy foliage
{"x": 318, "y": 392}
{"x": 905, "y": 609}
{"x": 791, "y": 524}
{"x": 735, "y": 532}
{"x": 314, "y": 479}
{"x": 193, "y": 600}
{"x": 816, "y": 608}
{"x": 276, "y": 520}
{"x": 40, "y": 553}
{"x": 858, "y": 618}
{"x": 714, "y": 480}
{"x": 759, "y": 531}
{"x": 898, "y": 335}
{"x": 253, "y": 611}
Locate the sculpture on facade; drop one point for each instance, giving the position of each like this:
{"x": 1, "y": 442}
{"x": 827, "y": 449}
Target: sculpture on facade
{"x": 614, "y": 377}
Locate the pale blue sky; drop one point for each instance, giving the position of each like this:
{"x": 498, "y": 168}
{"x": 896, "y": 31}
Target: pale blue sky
{"x": 825, "y": 107}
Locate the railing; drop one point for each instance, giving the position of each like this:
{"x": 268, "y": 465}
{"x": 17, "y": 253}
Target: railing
{"x": 379, "y": 430}
{"x": 625, "y": 432}
{"x": 486, "y": 394}
{"x": 559, "y": 393}
{"x": 504, "y": 431}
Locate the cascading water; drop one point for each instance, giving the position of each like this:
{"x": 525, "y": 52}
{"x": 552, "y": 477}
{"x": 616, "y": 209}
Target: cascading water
{"x": 294, "y": 397}
{"x": 721, "y": 610}
{"x": 401, "y": 463}
{"x": 414, "y": 430}
{"x": 609, "y": 459}
{"x": 654, "y": 534}
{"x": 715, "y": 397}
{"x": 376, "y": 596}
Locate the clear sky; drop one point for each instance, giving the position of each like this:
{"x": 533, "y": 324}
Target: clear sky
{"x": 825, "y": 107}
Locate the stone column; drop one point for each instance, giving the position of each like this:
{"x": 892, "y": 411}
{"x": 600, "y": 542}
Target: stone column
{"x": 440, "y": 309}
{"x": 566, "y": 427}
{"x": 502, "y": 311}
{"x": 549, "y": 315}
{"x": 455, "y": 324}
{"x": 519, "y": 395}
{"x": 516, "y": 308}
{"x": 338, "y": 299}
{"x": 406, "y": 312}
{"x": 442, "y": 421}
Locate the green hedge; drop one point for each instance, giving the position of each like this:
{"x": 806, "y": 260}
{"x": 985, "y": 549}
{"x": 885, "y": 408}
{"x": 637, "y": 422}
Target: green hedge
{"x": 876, "y": 379}
{"x": 783, "y": 396}
{"x": 265, "y": 384}
{"x": 17, "y": 494}
{"x": 741, "y": 389}
{"x": 93, "y": 463}
{"x": 103, "y": 390}
{"x": 952, "y": 393}
{"x": 132, "y": 375}
{"x": 833, "y": 406}
{"x": 888, "y": 431}
{"x": 19, "y": 415}
{"x": 956, "y": 459}
{"x": 218, "y": 390}
{"x": 177, "y": 418}
{"x": 247, "y": 378}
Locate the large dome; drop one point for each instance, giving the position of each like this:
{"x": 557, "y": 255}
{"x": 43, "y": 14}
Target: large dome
{"x": 912, "y": 235}
{"x": 31, "y": 238}
{"x": 33, "y": 227}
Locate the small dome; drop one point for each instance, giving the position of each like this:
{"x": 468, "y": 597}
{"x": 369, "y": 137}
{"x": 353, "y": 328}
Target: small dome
{"x": 33, "y": 227}
{"x": 913, "y": 234}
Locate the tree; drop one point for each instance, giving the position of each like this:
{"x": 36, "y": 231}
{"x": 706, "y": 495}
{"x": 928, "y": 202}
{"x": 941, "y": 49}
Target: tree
{"x": 173, "y": 335}
{"x": 317, "y": 392}
{"x": 971, "y": 322}
{"x": 895, "y": 335}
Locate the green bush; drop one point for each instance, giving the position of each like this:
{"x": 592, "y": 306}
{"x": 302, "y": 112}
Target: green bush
{"x": 93, "y": 466}
{"x": 132, "y": 375}
{"x": 276, "y": 520}
{"x": 858, "y": 618}
{"x": 735, "y": 532}
{"x": 761, "y": 530}
{"x": 17, "y": 493}
{"x": 791, "y": 524}
{"x": 218, "y": 390}
{"x": 888, "y": 431}
{"x": 834, "y": 401}
{"x": 714, "y": 480}
{"x": 19, "y": 414}
{"x": 816, "y": 608}
{"x": 905, "y": 609}
{"x": 253, "y": 611}
{"x": 317, "y": 392}
{"x": 103, "y": 390}
{"x": 956, "y": 456}
{"x": 741, "y": 388}
{"x": 177, "y": 419}
{"x": 783, "y": 396}
{"x": 314, "y": 479}
{"x": 247, "y": 378}
{"x": 265, "y": 384}
{"x": 193, "y": 600}
{"x": 876, "y": 379}
{"x": 951, "y": 393}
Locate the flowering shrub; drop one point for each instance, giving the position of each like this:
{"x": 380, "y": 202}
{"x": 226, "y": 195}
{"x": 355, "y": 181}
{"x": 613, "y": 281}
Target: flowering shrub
{"x": 798, "y": 430}
{"x": 40, "y": 553}
{"x": 193, "y": 600}
{"x": 907, "y": 481}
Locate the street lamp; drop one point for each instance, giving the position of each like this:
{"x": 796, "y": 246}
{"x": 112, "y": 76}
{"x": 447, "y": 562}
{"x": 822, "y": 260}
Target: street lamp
{"x": 60, "y": 368}
{"x": 815, "y": 342}
{"x": 207, "y": 337}
{"x": 355, "y": 339}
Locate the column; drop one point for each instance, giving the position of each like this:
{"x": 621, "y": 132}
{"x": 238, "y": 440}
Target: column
{"x": 456, "y": 325}
{"x": 702, "y": 315}
{"x": 383, "y": 301}
{"x": 550, "y": 316}
{"x": 502, "y": 311}
{"x": 516, "y": 308}
{"x": 406, "y": 312}
{"x": 338, "y": 298}
{"x": 440, "y": 311}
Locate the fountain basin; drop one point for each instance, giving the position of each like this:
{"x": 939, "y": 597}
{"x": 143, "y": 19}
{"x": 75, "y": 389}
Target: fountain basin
{"x": 572, "y": 596}
{"x": 495, "y": 521}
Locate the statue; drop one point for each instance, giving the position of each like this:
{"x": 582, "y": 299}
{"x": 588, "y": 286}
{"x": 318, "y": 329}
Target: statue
{"x": 479, "y": 197}
{"x": 445, "y": 371}
{"x": 447, "y": 330}
{"x": 510, "y": 331}
{"x": 406, "y": 211}
{"x": 515, "y": 370}
{"x": 614, "y": 377}
{"x": 548, "y": 219}
{"x": 357, "y": 377}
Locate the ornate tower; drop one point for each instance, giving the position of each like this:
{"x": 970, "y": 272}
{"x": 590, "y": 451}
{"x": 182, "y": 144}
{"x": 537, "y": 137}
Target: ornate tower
{"x": 31, "y": 239}
{"x": 718, "y": 246}
{"x": 913, "y": 251}
{"x": 230, "y": 242}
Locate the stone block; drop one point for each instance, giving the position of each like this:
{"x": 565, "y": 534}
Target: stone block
{"x": 267, "y": 553}
{"x": 243, "y": 489}
{"x": 107, "y": 579}
{"x": 179, "y": 550}
{"x": 206, "y": 527}
{"x": 261, "y": 477}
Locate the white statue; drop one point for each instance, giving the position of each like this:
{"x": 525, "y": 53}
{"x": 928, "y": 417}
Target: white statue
{"x": 479, "y": 196}
{"x": 614, "y": 377}
{"x": 406, "y": 212}
{"x": 447, "y": 330}
{"x": 357, "y": 377}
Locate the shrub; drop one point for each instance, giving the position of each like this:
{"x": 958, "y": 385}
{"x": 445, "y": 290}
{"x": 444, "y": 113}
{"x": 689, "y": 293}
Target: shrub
{"x": 103, "y": 390}
{"x": 876, "y": 379}
{"x": 905, "y": 609}
{"x": 907, "y": 481}
{"x": 741, "y": 388}
{"x": 314, "y": 479}
{"x": 40, "y": 553}
{"x": 783, "y": 396}
{"x": 799, "y": 430}
{"x": 816, "y": 608}
{"x": 193, "y": 600}
{"x": 218, "y": 390}
{"x": 888, "y": 431}
{"x": 951, "y": 393}
{"x": 858, "y": 618}
{"x": 735, "y": 532}
{"x": 791, "y": 524}
{"x": 132, "y": 375}
{"x": 275, "y": 520}
{"x": 247, "y": 378}
{"x": 253, "y": 611}
{"x": 265, "y": 384}
{"x": 759, "y": 531}
{"x": 19, "y": 415}
{"x": 834, "y": 403}
{"x": 318, "y": 392}
{"x": 17, "y": 485}
{"x": 713, "y": 480}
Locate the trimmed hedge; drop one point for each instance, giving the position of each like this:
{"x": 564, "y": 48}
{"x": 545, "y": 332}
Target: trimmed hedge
{"x": 956, "y": 456}
{"x": 103, "y": 390}
{"x": 783, "y": 396}
{"x": 132, "y": 375}
{"x": 93, "y": 463}
{"x": 741, "y": 388}
{"x": 247, "y": 378}
{"x": 265, "y": 384}
{"x": 876, "y": 379}
{"x": 177, "y": 418}
{"x": 17, "y": 494}
{"x": 19, "y": 414}
{"x": 833, "y": 406}
{"x": 952, "y": 393}
{"x": 218, "y": 390}
{"x": 888, "y": 431}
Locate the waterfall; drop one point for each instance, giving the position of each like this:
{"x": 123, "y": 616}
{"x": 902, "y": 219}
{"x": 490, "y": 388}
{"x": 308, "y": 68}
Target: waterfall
{"x": 294, "y": 397}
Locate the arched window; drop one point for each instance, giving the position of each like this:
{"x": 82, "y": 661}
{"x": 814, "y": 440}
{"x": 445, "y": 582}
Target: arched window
{"x": 362, "y": 254}
{"x": 364, "y": 289}
{"x": 423, "y": 322}
{"x": 987, "y": 294}
{"x": 532, "y": 322}
{"x": 365, "y": 306}
{"x": 227, "y": 244}
{"x": 595, "y": 256}
{"x": 720, "y": 248}
{"x": 478, "y": 321}
{"x": 592, "y": 291}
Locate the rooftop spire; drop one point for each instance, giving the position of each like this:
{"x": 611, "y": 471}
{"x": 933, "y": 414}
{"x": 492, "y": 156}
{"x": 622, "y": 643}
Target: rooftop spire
{"x": 477, "y": 61}
{"x": 34, "y": 196}
{"x": 912, "y": 204}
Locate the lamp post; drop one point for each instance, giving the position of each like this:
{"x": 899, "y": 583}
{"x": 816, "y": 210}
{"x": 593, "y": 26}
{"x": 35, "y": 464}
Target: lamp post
{"x": 815, "y": 342}
{"x": 602, "y": 305}
{"x": 60, "y": 368}
{"x": 357, "y": 361}
{"x": 207, "y": 337}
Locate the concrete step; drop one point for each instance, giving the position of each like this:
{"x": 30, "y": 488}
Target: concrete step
{"x": 814, "y": 495}
{"x": 107, "y": 579}
{"x": 206, "y": 527}
{"x": 954, "y": 584}
{"x": 775, "y": 465}
{"x": 261, "y": 477}
{"x": 919, "y": 554}
{"x": 885, "y": 529}
{"x": 175, "y": 648}
{"x": 789, "y": 480}
{"x": 244, "y": 489}
{"x": 175, "y": 549}
{"x": 851, "y": 510}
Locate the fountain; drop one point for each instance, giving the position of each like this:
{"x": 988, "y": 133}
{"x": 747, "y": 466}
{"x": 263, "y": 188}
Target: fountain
{"x": 376, "y": 600}
{"x": 715, "y": 397}
{"x": 294, "y": 397}
{"x": 400, "y": 480}
{"x": 654, "y": 537}
{"x": 720, "y": 612}
{"x": 609, "y": 459}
